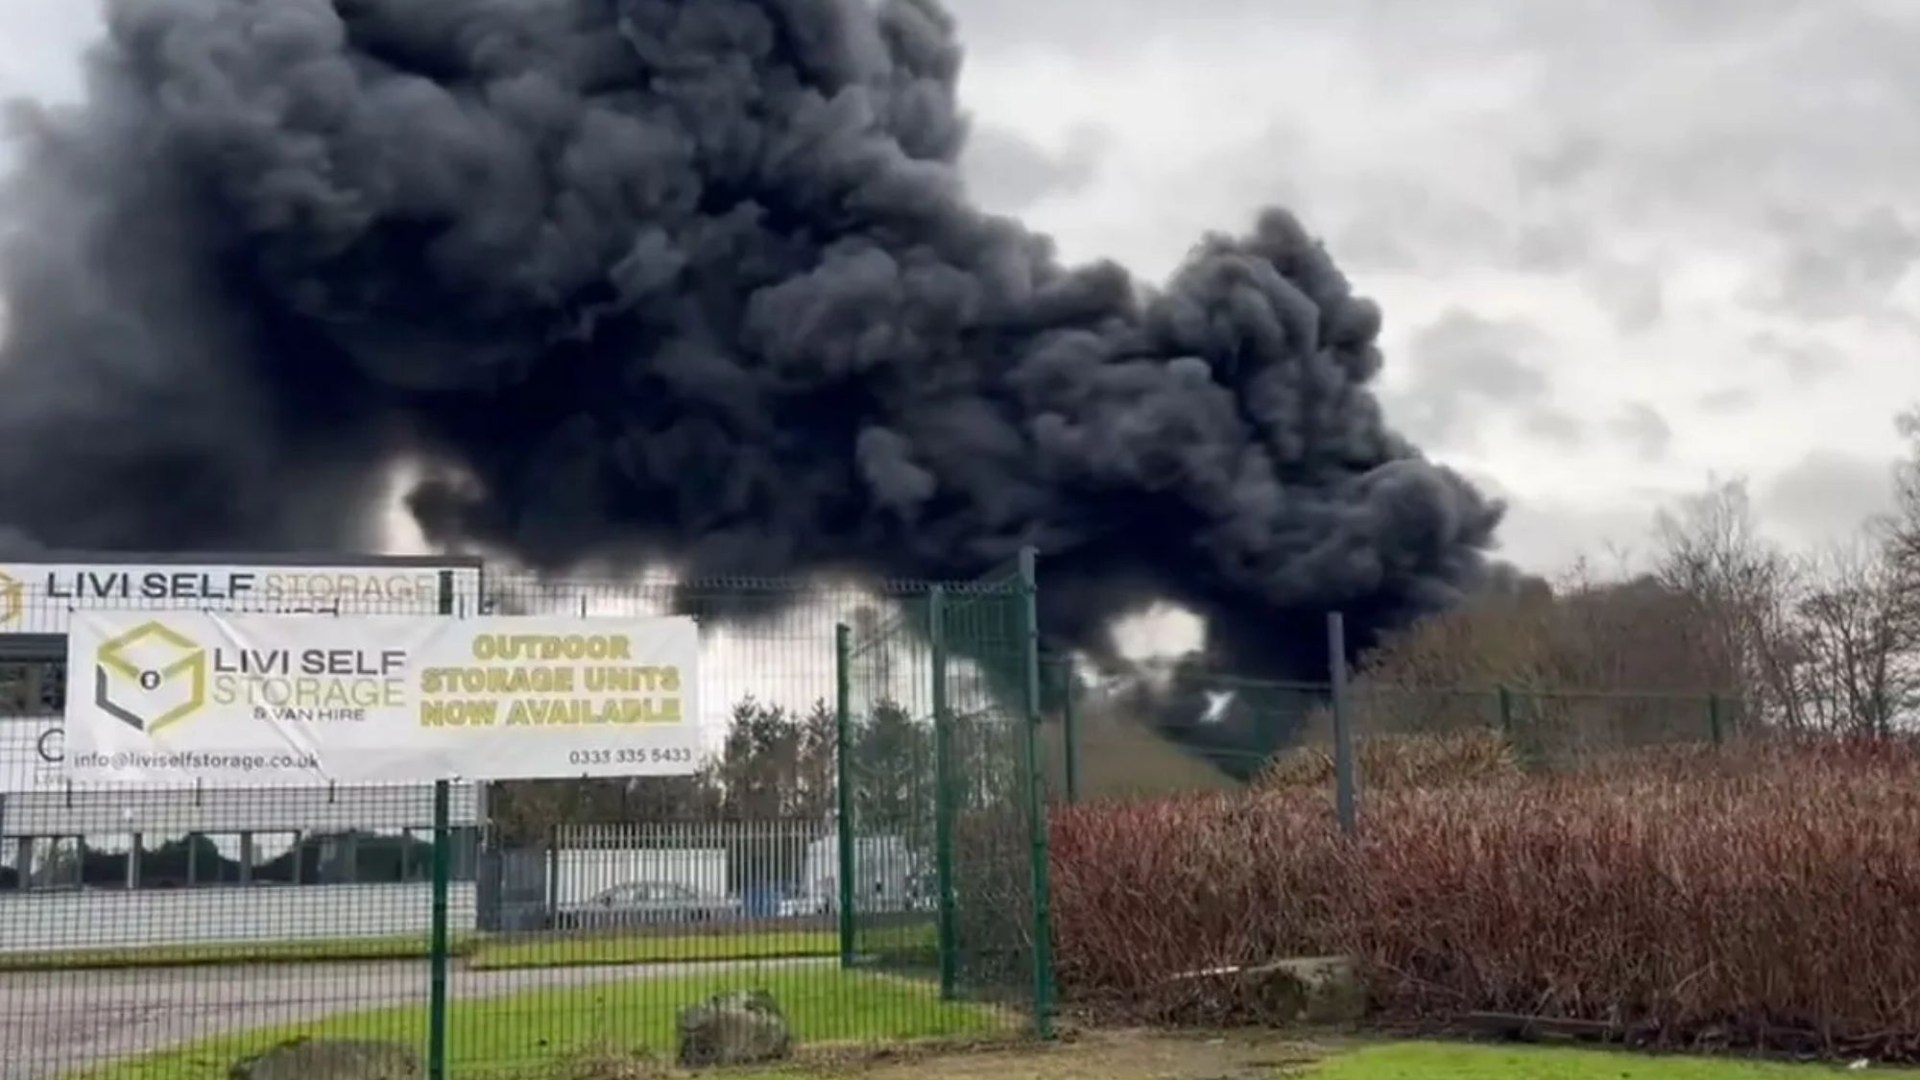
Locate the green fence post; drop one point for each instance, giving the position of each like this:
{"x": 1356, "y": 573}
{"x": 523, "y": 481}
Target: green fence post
{"x": 1715, "y": 721}
{"x": 437, "y": 948}
{"x": 1036, "y": 799}
{"x": 437, "y": 943}
{"x": 843, "y": 784}
{"x": 1070, "y": 733}
{"x": 1506, "y": 711}
{"x": 943, "y": 791}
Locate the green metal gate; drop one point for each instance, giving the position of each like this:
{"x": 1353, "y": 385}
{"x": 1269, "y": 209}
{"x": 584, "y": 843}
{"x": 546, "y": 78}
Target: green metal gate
{"x": 942, "y": 836}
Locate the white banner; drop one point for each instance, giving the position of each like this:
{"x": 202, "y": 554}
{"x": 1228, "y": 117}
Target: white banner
{"x": 166, "y": 698}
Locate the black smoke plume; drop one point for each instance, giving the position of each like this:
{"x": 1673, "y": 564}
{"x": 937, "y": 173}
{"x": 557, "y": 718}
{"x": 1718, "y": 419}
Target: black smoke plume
{"x": 672, "y": 281}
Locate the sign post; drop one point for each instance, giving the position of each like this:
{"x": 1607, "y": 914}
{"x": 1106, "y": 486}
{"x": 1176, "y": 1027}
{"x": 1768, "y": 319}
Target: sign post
{"x": 437, "y": 938}
{"x": 438, "y": 957}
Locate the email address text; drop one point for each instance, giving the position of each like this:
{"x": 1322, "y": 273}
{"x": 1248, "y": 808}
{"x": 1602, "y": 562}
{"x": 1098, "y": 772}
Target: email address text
{"x": 195, "y": 761}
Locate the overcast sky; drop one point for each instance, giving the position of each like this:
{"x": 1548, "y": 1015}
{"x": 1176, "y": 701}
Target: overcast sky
{"x": 1621, "y": 245}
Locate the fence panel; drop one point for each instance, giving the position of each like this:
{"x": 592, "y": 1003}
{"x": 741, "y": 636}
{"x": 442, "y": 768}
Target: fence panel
{"x": 1543, "y": 730}
{"x": 947, "y": 813}
{"x": 1556, "y": 729}
{"x": 1205, "y": 731}
{"x": 198, "y": 923}
{"x": 660, "y": 893}
{"x": 994, "y": 785}
{"x": 142, "y": 922}
{"x": 889, "y": 892}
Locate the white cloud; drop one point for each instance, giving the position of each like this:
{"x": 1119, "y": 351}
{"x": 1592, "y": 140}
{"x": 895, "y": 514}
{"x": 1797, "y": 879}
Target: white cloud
{"x": 1827, "y": 495}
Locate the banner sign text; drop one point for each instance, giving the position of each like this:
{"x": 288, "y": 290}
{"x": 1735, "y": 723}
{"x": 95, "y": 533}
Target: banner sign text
{"x": 169, "y": 698}
{"x": 39, "y": 598}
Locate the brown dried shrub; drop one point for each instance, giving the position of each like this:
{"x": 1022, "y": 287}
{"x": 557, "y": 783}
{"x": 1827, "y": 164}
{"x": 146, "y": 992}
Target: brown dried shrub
{"x": 1763, "y": 895}
{"x": 1147, "y": 892}
{"x": 1399, "y": 761}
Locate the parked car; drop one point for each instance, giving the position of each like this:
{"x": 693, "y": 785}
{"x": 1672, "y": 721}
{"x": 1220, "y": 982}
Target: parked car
{"x": 825, "y": 900}
{"x": 804, "y": 906}
{"x": 645, "y": 903}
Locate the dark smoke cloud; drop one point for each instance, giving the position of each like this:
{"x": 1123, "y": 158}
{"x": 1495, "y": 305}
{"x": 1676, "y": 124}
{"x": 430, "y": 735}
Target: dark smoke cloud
{"x": 667, "y": 281}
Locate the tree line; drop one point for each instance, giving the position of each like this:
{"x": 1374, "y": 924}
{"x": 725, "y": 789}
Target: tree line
{"x": 778, "y": 765}
{"x": 1825, "y": 639}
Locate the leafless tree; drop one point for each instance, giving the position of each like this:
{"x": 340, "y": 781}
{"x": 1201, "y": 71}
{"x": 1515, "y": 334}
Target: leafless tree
{"x": 1856, "y": 669}
{"x": 1903, "y": 524}
{"x": 1828, "y": 641}
{"x": 1728, "y": 581}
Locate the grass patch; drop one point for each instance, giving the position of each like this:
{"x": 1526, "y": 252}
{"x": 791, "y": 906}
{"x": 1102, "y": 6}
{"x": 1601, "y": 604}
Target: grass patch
{"x": 411, "y": 947}
{"x": 769, "y": 944}
{"x": 545, "y": 1029}
{"x": 652, "y": 949}
{"x": 1440, "y": 1061}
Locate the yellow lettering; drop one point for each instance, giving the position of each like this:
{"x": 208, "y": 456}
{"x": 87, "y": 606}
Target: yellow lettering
{"x": 536, "y": 712}
{"x": 632, "y": 680}
{"x": 481, "y": 680}
{"x": 551, "y": 647}
{"x": 458, "y": 713}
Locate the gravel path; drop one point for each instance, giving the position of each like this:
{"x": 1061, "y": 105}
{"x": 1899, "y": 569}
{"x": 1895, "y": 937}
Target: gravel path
{"x": 54, "y": 1023}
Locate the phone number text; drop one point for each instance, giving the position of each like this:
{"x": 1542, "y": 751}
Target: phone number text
{"x": 659, "y": 755}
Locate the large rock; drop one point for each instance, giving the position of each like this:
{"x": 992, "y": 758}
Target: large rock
{"x": 734, "y": 1029}
{"x": 330, "y": 1059}
{"x": 1310, "y": 990}
{"x": 1313, "y": 990}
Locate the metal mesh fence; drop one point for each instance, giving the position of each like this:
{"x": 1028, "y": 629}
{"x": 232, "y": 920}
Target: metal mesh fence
{"x": 947, "y": 868}
{"x": 170, "y": 933}
{"x": 1545, "y": 729}
{"x": 139, "y": 922}
{"x": 1220, "y": 732}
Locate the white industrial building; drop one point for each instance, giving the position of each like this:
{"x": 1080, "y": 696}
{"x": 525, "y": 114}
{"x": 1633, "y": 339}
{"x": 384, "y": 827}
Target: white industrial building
{"x": 113, "y": 867}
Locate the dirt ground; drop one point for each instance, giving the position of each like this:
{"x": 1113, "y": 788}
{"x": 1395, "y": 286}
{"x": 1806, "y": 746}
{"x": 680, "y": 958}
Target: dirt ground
{"x": 1104, "y": 1056}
